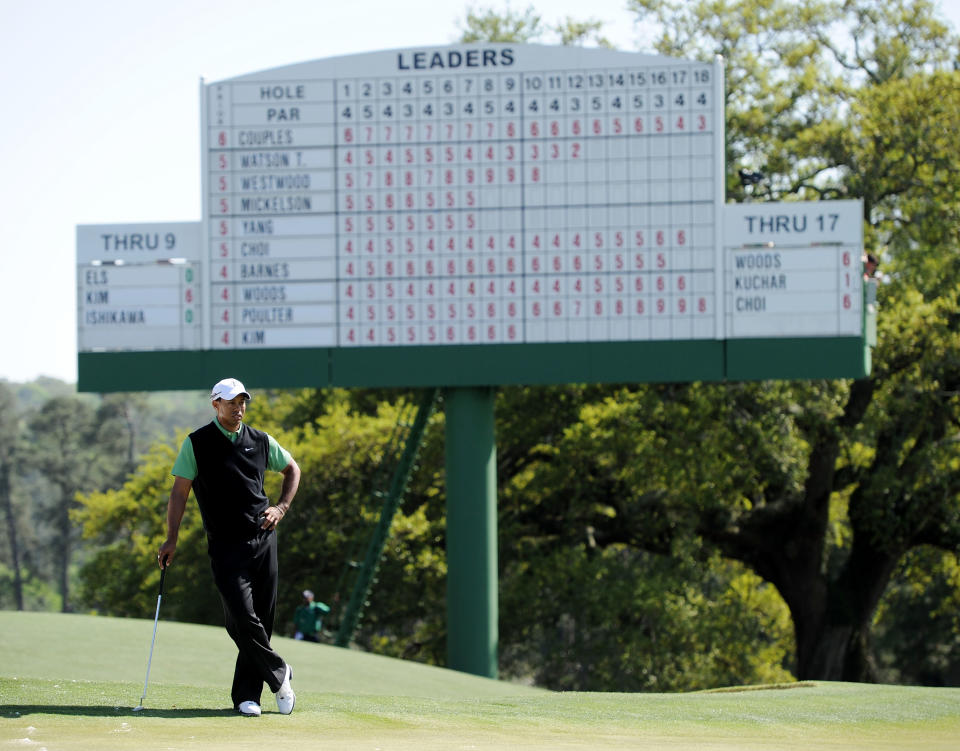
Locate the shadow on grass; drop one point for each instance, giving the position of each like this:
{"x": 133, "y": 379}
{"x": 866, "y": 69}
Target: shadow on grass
{"x": 21, "y": 710}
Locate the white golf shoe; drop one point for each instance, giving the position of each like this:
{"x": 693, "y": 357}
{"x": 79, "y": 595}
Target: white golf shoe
{"x": 285, "y": 696}
{"x": 249, "y": 709}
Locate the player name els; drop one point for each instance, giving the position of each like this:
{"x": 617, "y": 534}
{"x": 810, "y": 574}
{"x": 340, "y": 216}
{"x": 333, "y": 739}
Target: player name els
{"x": 479, "y": 58}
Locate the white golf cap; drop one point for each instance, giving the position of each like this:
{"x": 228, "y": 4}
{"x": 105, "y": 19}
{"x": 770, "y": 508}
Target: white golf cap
{"x": 228, "y": 388}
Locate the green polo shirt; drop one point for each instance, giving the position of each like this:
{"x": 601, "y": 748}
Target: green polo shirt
{"x": 186, "y": 464}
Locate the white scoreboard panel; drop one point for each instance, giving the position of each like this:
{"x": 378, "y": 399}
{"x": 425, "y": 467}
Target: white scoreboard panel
{"x": 139, "y": 286}
{"x": 492, "y": 194}
{"x": 794, "y": 269}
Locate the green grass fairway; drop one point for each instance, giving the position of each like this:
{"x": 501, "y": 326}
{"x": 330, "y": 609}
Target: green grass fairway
{"x": 69, "y": 683}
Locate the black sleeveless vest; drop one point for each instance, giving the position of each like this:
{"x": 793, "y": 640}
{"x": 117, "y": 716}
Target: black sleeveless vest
{"x": 229, "y": 482}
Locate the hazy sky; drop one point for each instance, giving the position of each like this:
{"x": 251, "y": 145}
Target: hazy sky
{"x": 101, "y": 122}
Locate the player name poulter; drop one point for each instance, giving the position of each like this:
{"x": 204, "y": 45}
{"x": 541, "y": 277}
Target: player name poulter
{"x": 266, "y": 315}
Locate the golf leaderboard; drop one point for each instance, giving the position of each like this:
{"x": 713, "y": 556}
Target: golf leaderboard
{"x": 464, "y": 196}
{"x": 491, "y": 213}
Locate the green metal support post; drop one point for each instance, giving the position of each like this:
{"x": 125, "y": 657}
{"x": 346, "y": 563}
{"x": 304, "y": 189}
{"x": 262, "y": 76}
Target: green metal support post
{"x": 392, "y": 499}
{"x": 472, "y": 635}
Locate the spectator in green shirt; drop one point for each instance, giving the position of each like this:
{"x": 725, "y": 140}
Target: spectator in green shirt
{"x": 308, "y": 618}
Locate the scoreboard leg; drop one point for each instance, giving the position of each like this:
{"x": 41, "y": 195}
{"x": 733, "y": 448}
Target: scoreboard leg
{"x": 472, "y": 636}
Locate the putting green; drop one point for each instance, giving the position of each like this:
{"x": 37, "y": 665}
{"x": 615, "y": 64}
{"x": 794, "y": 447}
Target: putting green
{"x": 70, "y": 683}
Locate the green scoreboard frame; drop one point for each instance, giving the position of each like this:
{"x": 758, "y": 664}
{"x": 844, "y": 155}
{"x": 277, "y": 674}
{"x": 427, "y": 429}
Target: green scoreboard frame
{"x": 479, "y": 365}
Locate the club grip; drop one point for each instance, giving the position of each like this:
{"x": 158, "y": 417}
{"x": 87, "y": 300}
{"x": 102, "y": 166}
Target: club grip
{"x": 163, "y": 573}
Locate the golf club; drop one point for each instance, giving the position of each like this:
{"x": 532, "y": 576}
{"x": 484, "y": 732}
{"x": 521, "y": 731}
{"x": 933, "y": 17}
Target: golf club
{"x": 163, "y": 573}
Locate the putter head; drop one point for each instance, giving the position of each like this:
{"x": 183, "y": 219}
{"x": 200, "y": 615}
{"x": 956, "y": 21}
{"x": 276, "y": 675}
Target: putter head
{"x": 138, "y": 708}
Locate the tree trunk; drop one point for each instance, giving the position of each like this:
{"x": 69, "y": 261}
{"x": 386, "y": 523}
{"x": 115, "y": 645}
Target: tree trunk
{"x": 836, "y": 653}
{"x": 7, "y": 498}
{"x": 833, "y": 632}
{"x": 784, "y": 542}
{"x": 64, "y": 553}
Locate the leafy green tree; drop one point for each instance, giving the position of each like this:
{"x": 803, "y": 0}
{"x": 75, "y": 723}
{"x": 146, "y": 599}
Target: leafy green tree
{"x": 9, "y": 435}
{"x": 64, "y": 449}
{"x": 344, "y": 455}
{"x": 573, "y": 32}
{"x": 614, "y": 494}
{"x": 917, "y": 630}
{"x": 115, "y": 430}
{"x": 126, "y": 526}
{"x": 510, "y": 26}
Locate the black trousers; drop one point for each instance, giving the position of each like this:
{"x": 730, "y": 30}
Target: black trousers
{"x": 246, "y": 577}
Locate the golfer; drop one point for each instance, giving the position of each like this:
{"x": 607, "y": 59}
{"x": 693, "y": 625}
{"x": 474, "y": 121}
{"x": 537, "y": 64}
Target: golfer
{"x": 224, "y": 462}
